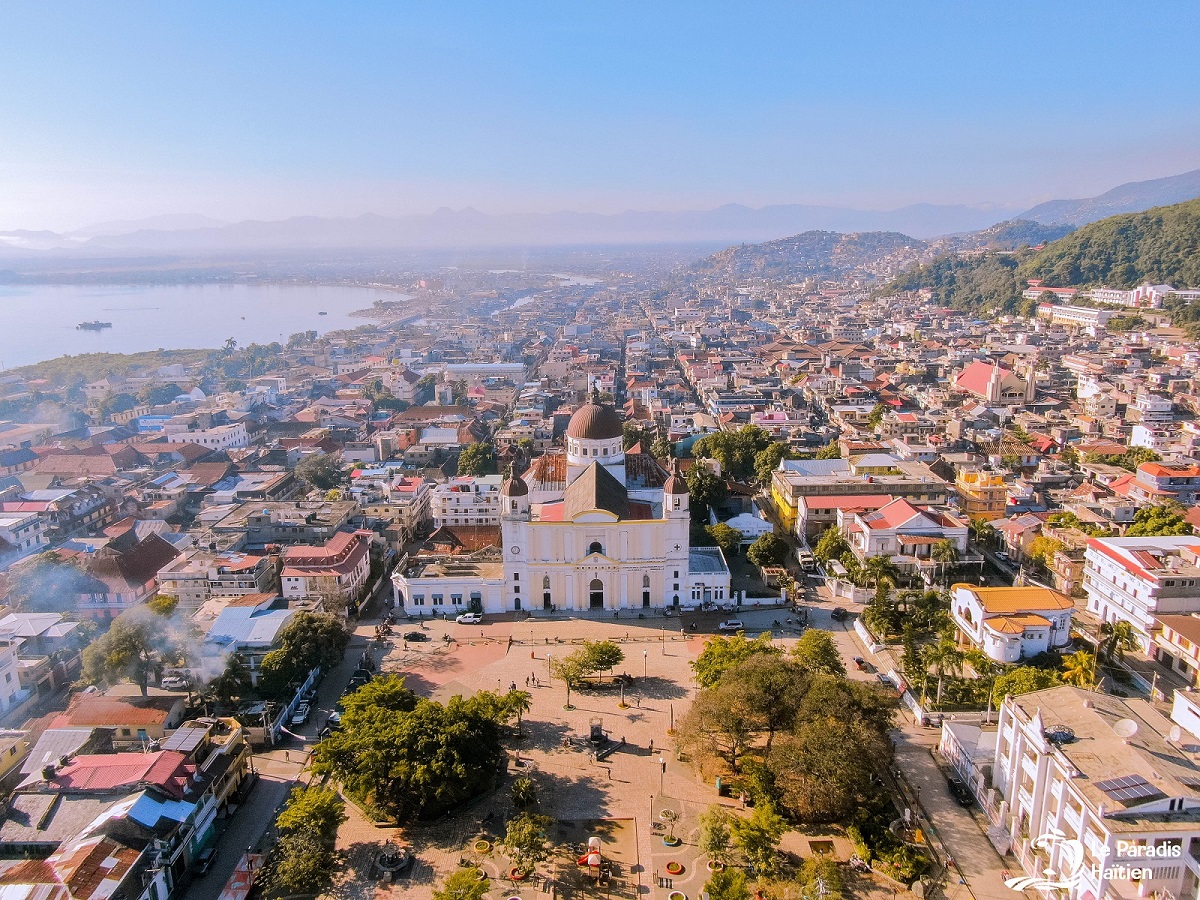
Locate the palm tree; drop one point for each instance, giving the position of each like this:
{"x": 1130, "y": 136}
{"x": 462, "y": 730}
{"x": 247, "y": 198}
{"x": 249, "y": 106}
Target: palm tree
{"x": 1079, "y": 669}
{"x": 942, "y": 658}
{"x": 982, "y": 531}
{"x": 880, "y": 569}
{"x": 945, "y": 553}
{"x": 1116, "y": 638}
{"x": 985, "y": 667}
{"x": 518, "y": 703}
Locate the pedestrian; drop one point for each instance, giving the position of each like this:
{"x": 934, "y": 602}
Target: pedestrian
{"x": 513, "y": 686}
{"x": 287, "y": 755}
{"x": 533, "y": 675}
{"x": 535, "y": 681}
{"x": 638, "y": 700}
{"x": 526, "y": 681}
{"x": 652, "y": 745}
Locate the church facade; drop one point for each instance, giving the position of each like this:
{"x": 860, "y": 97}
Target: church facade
{"x": 590, "y": 530}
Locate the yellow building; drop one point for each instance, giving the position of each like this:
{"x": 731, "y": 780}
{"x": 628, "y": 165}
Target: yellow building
{"x": 982, "y": 494}
{"x": 14, "y": 747}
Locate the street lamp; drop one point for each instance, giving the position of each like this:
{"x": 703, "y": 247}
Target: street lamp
{"x": 662, "y": 770}
{"x": 549, "y": 668}
{"x": 645, "y": 663}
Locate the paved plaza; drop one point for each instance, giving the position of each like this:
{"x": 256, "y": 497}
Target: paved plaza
{"x": 629, "y": 800}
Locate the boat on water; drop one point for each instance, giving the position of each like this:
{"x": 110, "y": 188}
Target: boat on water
{"x": 322, "y": 313}
{"x": 97, "y": 325}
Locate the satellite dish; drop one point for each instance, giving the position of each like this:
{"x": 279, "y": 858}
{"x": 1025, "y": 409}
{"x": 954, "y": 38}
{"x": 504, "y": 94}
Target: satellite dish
{"x": 1125, "y": 728}
{"x": 1176, "y": 734}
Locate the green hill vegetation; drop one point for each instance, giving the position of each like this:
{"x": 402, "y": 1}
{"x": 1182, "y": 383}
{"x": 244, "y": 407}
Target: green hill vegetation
{"x": 1160, "y": 245}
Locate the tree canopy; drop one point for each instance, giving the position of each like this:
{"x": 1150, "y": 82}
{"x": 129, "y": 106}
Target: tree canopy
{"x": 477, "y": 459}
{"x": 308, "y": 641}
{"x": 817, "y": 652}
{"x": 411, "y": 757}
{"x": 321, "y": 470}
{"x": 768, "y": 549}
{"x": 736, "y": 451}
{"x": 723, "y": 653}
{"x": 1164, "y": 519}
{"x": 138, "y": 645}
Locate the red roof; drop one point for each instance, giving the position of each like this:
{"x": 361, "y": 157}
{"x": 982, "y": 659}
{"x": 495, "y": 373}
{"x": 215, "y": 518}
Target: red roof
{"x": 165, "y": 769}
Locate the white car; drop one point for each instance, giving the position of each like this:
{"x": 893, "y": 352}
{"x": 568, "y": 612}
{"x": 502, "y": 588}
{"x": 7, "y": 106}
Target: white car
{"x": 469, "y": 619}
{"x": 174, "y": 683}
{"x": 732, "y": 625}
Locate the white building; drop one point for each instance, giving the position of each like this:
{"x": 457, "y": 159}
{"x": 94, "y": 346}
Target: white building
{"x": 614, "y": 536}
{"x": 1132, "y": 579}
{"x": 220, "y": 437}
{"x": 1101, "y": 779}
{"x": 467, "y": 501}
{"x": 1012, "y": 623}
{"x": 340, "y": 567}
{"x": 21, "y": 535}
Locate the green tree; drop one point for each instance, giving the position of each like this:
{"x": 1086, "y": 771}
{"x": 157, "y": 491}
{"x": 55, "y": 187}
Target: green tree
{"x": 526, "y": 840}
{"x": 823, "y": 769}
{"x": 769, "y": 688}
{"x": 727, "y": 884}
{"x": 524, "y": 793}
{"x": 758, "y": 837}
{"x": 308, "y": 641}
{"x": 477, "y": 459}
{"x": 941, "y": 659}
{"x": 415, "y": 763}
{"x": 463, "y": 884}
{"x": 320, "y": 470}
{"x": 714, "y": 833}
{"x": 300, "y": 864}
{"x": 832, "y": 450}
{"x": 945, "y": 554}
{"x": 767, "y": 461}
{"x": 1115, "y": 639}
{"x": 720, "y": 723}
{"x": 601, "y": 656}
{"x": 875, "y": 418}
{"x": 720, "y": 654}
{"x": 638, "y": 433}
{"x": 768, "y": 549}
{"x": 817, "y": 652}
{"x": 1164, "y": 519}
{"x": 137, "y": 647}
{"x": 832, "y": 545}
{"x": 1079, "y": 669}
{"x": 706, "y": 490}
{"x": 725, "y": 537}
{"x": 662, "y": 448}
{"x": 982, "y": 532}
{"x": 736, "y": 451}
{"x": 315, "y": 809}
{"x": 1022, "y": 680}
{"x": 234, "y": 681}
{"x": 518, "y": 703}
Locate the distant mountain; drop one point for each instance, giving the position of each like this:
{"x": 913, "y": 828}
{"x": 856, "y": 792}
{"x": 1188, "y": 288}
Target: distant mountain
{"x": 1160, "y": 245}
{"x": 1004, "y": 236}
{"x": 179, "y": 222}
{"x": 1126, "y": 198}
{"x": 472, "y": 228}
{"x": 818, "y": 254}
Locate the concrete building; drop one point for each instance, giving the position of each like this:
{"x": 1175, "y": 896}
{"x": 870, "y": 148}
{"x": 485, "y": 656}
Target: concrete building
{"x": 1011, "y": 624}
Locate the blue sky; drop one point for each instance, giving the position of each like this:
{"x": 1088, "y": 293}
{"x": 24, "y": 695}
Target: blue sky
{"x": 265, "y": 110}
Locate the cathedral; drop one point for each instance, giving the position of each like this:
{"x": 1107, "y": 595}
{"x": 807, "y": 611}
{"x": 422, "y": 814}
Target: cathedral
{"x": 594, "y": 528}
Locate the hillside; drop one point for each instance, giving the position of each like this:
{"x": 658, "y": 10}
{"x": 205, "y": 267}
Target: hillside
{"x": 1161, "y": 245}
{"x": 819, "y": 254}
{"x": 1005, "y": 236}
{"x": 1134, "y": 196}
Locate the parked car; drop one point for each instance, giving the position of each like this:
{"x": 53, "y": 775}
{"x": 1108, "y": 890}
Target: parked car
{"x": 415, "y": 636}
{"x": 300, "y": 716}
{"x": 885, "y": 680}
{"x": 860, "y": 663}
{"x": 837, "y": 613}
{"x": 732, "y": 625}
{"x": 959, "y": 791}
{"x": 469, "y": 618}
{"x": 174, "y": 683}
{"x": 334, "y": 721}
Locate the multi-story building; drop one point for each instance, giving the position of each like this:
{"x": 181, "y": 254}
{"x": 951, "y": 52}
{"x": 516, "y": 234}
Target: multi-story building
{"x": 297, "y": 522}
{"x": 1134, "y": 579}
{"x": 834, "y": 477}
{"x": 1011, "y": 623}
{"x": 1093, "y": 797}
{"x": 1157, "y": 482}
{"x": 904, "y": 533}
{"x": 982, "y": 493}
{"x": 467, "y": 501}
{"x": 340, "y": 567}
{"x": 195, "y": 577}
{"x": 21, "y": 534}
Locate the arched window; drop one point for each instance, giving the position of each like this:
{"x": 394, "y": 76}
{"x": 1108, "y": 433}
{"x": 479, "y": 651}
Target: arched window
{"x": 595, "y": 547}
{"x": 545, "y": 582}
{"x": 596, "y": 594}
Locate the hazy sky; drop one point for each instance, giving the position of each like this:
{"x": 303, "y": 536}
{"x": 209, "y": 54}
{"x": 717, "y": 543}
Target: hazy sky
{"x": 115, "y": 110}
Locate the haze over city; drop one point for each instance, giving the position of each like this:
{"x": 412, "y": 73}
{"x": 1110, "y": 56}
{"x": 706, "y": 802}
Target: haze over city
{"x": 663, "y": 451}
{"x": 123, "y": 111}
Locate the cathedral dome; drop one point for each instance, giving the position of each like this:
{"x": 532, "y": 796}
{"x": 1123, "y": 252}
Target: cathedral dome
{"x": 594, "y": 422}
{"x": 675, "y": 483}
